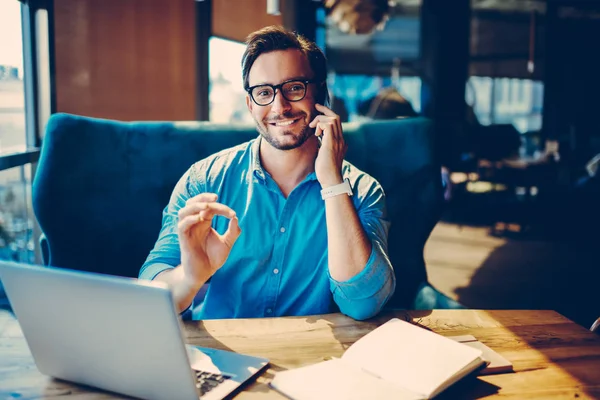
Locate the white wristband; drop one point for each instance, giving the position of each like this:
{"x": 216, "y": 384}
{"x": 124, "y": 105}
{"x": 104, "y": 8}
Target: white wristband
{"x": 342, "y": 188}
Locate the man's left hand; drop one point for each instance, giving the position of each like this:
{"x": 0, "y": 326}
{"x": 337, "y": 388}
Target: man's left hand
{"x": 328, "y": 165}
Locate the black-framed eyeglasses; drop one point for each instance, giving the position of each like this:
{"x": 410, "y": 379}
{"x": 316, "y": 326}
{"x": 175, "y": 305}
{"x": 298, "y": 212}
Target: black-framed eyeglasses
{"x": 292, "y": 90}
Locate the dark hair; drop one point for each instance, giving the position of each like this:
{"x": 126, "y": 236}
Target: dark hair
{"x": 388, "y": 104}
{"x": 276, "y": 38}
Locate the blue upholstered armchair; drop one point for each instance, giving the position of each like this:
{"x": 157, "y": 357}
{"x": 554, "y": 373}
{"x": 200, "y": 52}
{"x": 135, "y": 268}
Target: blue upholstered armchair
{"x": 101, "y": 186}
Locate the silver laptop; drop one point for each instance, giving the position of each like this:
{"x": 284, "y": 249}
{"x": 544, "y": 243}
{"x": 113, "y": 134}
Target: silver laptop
{"x": 118, "y": 334}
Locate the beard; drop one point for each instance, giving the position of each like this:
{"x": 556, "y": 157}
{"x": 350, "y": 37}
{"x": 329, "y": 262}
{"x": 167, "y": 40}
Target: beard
{"x": 281, "y": 140}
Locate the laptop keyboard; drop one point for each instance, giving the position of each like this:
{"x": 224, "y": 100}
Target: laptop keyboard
{"x": 206, "y": 381}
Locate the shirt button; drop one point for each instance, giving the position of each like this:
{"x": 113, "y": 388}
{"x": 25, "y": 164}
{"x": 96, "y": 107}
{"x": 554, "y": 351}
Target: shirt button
{"x": 269, "y": 311}
{"x": 282, "y": 229}
{"x": 275, "y": 271}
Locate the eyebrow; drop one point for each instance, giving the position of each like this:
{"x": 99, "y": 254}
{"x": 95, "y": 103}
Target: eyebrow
{"x": 294, "y": 78}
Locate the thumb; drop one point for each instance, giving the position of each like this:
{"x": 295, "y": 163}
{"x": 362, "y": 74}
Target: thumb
{"x": 232, "y": 233}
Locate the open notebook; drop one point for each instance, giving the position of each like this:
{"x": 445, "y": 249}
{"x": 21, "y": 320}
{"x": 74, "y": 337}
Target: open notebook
{"x": 398, "y": 360}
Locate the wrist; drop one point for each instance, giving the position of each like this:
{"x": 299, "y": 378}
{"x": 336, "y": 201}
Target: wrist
{"x": 194, "y": 280}
{"x": 331, "y": 181}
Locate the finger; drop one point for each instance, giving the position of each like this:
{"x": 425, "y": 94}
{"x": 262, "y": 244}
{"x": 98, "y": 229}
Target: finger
{"x": 203, "y": 198}
{"x": 326, "y": 129}
{"x": 191, "y": 209}
{"x": 336, "y": 127}
{"x": 336, "y": 124}
{"x": 335, "y": 131}
{"x": 314, "y": 122}
{"x": 339, "y": 134}
{"x": 232, "y": 233}
{"x": 326, "y": 111}
{"x": 319, "y": 133}
{"x": 318, "y": 119}
{"x": 213, "y": 209}
{"x": 208, "y": 210}
{"x": 187, "y": 223}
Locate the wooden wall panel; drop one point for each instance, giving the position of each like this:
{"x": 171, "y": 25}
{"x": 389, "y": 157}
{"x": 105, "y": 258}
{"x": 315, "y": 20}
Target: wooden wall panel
{"x": 126, "y": 59}
{"x": 235, "y": 19}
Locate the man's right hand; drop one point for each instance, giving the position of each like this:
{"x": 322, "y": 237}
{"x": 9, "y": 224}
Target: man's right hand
{"x": 204, "y": 250}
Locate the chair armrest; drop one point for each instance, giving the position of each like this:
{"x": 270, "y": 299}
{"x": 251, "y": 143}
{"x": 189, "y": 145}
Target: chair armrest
{"x": 44, "y": 249}
{"x": 596, "y": 326}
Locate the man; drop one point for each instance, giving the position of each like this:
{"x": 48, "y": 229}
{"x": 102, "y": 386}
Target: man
{"x": 254, "y": 220}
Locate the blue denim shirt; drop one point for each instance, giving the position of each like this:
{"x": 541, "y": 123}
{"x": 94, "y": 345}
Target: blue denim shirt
{"x": 278, "y": 266}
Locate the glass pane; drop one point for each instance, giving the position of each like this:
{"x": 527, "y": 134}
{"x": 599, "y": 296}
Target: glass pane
{"x": 374, "y": 75}
{"x": 226, "y": 91}
{"x": 355, "y": 96}
{"x": 12, "y": 92}
{"x": 16, "y": 215}
{"x": 507, "y": 101}
{"x": 17, "y": 242}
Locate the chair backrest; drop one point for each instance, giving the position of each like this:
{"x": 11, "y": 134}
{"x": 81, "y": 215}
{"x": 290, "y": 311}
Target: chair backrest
{"x": 400, "y": 155}
{"x": 101, "y": 186}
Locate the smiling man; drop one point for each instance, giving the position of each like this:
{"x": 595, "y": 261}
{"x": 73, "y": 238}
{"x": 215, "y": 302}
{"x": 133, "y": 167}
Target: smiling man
{"x": 281, "y": 225}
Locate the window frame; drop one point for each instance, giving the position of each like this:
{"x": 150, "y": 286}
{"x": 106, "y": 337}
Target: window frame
{"x": 34, "y": 120}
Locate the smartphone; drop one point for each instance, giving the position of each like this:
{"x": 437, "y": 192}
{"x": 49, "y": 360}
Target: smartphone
{"x": 322, "y": 99}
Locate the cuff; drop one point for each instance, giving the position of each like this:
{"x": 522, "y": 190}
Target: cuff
{"x": 150, "y": 271}
{"x": 367, "y": 282}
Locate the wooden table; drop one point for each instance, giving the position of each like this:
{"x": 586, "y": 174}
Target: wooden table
{"x": 553, "y": 357}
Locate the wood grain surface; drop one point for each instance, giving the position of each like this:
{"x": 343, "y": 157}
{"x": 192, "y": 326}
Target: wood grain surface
{"x": 553, "y": 357}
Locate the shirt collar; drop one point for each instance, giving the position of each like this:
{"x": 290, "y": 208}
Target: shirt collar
{"x": 257, "y": 169}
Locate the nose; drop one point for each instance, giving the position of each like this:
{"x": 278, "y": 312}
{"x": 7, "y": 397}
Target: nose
{"x": 280, "y": 104}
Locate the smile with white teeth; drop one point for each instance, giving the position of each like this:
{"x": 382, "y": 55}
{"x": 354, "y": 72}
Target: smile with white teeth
{"x": 285, "y": 123}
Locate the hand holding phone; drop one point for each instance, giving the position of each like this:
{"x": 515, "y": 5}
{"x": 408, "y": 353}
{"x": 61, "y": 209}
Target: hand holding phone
{"x": 332, "y": 149}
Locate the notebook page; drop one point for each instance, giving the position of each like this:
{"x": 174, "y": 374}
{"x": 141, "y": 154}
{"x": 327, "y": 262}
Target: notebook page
{"x": 411, "y": 357}
{"x": 467, "y": 370}
{"x": 336, "y": 379}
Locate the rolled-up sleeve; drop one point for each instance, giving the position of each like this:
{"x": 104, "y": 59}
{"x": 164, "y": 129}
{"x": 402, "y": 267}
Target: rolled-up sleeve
{"x": 166, "y": 253}
{"x": 365, "y": 294}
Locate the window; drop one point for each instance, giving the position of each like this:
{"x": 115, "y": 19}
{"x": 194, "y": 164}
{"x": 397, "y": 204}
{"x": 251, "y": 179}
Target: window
{"x": 507, "y": 101}
{"x": 356, "y": 92}
{"x": 227, "y": 97}
{"x": 20, "y": 114}
{"x": 17, "y": 241}
{"x": 375, "y": 74}
{"x": 12, "y": 89}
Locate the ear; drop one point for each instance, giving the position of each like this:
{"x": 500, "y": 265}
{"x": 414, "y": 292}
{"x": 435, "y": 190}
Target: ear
{"x": 249, "y": 102}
